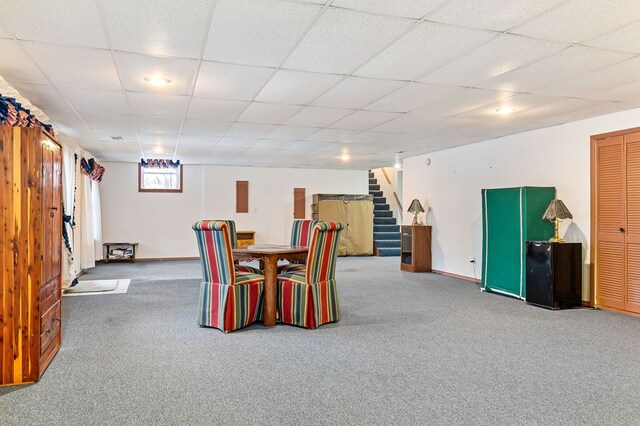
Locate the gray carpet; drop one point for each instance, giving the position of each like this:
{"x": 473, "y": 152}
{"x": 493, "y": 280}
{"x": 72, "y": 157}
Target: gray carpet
{"x": 410, "y": 349}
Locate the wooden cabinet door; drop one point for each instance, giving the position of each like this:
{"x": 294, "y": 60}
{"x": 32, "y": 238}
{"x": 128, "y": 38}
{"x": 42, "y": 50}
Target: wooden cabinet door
{"x": 51, "y": 210}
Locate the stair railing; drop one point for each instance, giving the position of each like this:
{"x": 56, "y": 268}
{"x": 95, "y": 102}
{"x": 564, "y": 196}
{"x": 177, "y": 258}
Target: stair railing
{"x": 395, "y": 195}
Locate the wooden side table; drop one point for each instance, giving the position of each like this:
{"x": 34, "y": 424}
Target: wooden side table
{"x": 120, "y": 252}
{"x": 246, "y": 238}
{"x": 415, "y": 252}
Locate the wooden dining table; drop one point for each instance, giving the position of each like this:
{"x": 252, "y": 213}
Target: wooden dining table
{"x": 269, "y": 254}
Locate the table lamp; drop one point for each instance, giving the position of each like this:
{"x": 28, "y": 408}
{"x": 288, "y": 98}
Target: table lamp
{"x": 415, "y": 208}
{"x": 557, "y": 212}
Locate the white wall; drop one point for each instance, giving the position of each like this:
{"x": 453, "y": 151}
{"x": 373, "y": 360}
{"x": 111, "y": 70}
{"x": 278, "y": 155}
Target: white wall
{"x": 161, "y": 223}
{"x": 557, "y": 156}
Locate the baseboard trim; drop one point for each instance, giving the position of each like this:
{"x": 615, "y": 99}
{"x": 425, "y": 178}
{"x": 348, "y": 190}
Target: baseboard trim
{"x": 155, "y": 259}
{"x": 461, "y": 277}
{"x": 618, "y": 311}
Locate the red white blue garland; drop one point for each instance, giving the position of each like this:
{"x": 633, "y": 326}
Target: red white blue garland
{"x": 159, "y": 164}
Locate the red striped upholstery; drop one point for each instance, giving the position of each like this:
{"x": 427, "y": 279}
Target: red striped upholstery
{"x": 229, "y": 299}
{"x": 301, "y": 231}
{"x": 308, "y": 297}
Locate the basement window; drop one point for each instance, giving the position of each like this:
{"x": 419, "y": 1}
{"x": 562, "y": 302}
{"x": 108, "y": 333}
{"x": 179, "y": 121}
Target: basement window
{"x": 159, "y": 179}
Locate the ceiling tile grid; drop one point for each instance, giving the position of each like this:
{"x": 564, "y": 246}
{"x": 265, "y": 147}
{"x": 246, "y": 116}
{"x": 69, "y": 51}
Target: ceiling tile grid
{"x": 258, "y": 82}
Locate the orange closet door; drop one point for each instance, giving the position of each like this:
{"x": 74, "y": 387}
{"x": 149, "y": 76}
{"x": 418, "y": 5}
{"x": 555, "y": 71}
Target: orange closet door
{"x": 618, "y": 222}
{"x": 632, "y": 230}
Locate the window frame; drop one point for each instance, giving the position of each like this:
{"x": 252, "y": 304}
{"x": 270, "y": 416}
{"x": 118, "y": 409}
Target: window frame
{"x": 141, "y": 189}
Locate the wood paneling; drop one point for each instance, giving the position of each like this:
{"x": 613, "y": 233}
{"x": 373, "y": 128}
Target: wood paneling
{"x": 242, "y": 196}
{"x": 22, "y": 250}
{"x": 298, "y": 203}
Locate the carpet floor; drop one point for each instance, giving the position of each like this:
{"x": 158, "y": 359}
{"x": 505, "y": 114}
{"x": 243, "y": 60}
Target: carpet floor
{"x": 410, "y": 349}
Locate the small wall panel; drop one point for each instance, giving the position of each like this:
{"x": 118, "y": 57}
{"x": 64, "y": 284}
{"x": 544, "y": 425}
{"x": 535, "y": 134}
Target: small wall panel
{"x": 298, "y": 203}
{"x": 242, "y": 196}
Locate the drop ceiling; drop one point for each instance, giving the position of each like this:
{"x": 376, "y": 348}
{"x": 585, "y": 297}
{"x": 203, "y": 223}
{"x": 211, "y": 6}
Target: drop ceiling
{"x": 299, "y": 83}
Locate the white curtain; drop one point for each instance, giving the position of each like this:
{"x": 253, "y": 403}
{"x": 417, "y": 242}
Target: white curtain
{"x": 97, "y": 220}
{"x": 86, "y": 248}
{"x": 69, "y": 272}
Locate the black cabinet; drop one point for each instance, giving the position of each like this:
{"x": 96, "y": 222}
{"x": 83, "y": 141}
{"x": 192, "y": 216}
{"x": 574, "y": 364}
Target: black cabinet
{"x": 554, "y": 274}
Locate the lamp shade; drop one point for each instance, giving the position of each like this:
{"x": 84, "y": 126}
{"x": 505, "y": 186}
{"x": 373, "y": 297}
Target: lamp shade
{"x": 557, "y": 210}
{"x": 415, "y": 207}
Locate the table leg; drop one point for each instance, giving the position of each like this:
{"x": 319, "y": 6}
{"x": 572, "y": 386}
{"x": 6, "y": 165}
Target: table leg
{"x": 270, "y": 283}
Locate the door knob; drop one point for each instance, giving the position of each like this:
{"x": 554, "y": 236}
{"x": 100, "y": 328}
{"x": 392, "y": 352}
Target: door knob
{"x": 621, "y": 229}
{"x": 52, "y": 211}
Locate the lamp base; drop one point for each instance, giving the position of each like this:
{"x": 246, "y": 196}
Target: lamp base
{"x": 557, "y": 240}
{"x": 415, "y": 220}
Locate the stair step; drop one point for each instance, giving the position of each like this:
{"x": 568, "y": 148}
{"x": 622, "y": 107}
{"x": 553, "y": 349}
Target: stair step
{"x": 373, "y": 181}
{"x": 379, "y": 200}
{"x": 386, "y": 228}
{"x": 387, "y": 243}
{"x": 374, "y": 187}
{"x": 388, "y": 252}
{"x": 382, "y": 213}
{"x": 386, "y": 236}
{"x": 376, "y": 193}
{"x": 381, "y": 207}
{"x": 371, "y": 175}
{"x": 384, "y": 220}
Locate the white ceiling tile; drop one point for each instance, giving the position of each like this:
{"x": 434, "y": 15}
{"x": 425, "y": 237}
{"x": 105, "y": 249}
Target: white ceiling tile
{"x": 460, "y": 101}
{"x": 20, "y": 69}
{"x": 626, "y": 39}
{"x": 205, "y": 127}
{"x": 250, "y": 130}
{"x": 42, "y": 96}
{"x": 297, "y": 87}
{"x": 497, "y": 15}
{"x": 404, "y": 8}
{"x": 169, "y": 125}
{"x": 258, "y": 112}
{"x": 407, "y": 124}
{"x": 215, "y": 110}
{"x": 292, "y": 133}
{"x": 69, "y": 22}
{"x": 500, "y": 55}
{"x": 158, "y": 139}
{"x": 520, "y": 103}
{"x": 113, "y": 123}
{"x": 192, "y": 151}
{"x": 596, "y": 81}
{"x": 627, "y": 93}
{"x": 157, "y": 27}
{"x": 89, "y": 144}
{"x": 135, "y": 68}
{"x": 75, "y": 66}
{"x": 158, "y": 105}
{"x": 158, "y": 150}
{"x": 425, "y": 48}
{"x": 67, "y": 121}
{"x": 236, "y": 143}
{"x": 548, "y": 113}
{"x": 597, "y": 110}
{"x": 331, "y": 135}
{"x": 221, "y": 151}
{"x": 257, "y": 32}
{"x": 566, "y": 64}
{"x": 106, "y": 135}
{"x": 4, "y": 32}
{"x": 202, "y": 141}
{"x": 131, "y": 148}
{"x": 368, "y": 137}
{"x": 342, "y": 40}
{"x": 96, "y": 101}
{"x": 356, "y": 92}
{"x": 272, "y": 144}
{"x": 410, "y": 97}
{"x": 363, "y": 120}
{"x": 226, "y": 81}
{"x": 317, "y": 117}
{"x": 577, "y": 21}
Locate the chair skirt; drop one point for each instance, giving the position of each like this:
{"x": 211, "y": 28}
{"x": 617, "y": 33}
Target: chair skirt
{"x": 230, "y": 307}
{"x": 307, "y": 305}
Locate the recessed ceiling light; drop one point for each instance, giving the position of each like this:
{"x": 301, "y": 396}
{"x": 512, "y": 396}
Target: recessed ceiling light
{"x": 397, "y": 165}
{"x": 157, "y": 81}
{"x": 505, "y": 110}
{"x": 345, "y": 157}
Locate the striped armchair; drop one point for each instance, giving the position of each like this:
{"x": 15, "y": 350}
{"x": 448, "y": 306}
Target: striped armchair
{"x": 228, "y": 300}
{"x": 309, "y": 297}
{"x": 301, "y": 231}
{"x": 234, "y": 243}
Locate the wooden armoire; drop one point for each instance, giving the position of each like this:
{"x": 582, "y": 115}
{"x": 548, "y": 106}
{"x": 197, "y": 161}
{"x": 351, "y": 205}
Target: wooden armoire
{"x": 615, "y": 234}
{"x": 30, "y": 253}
